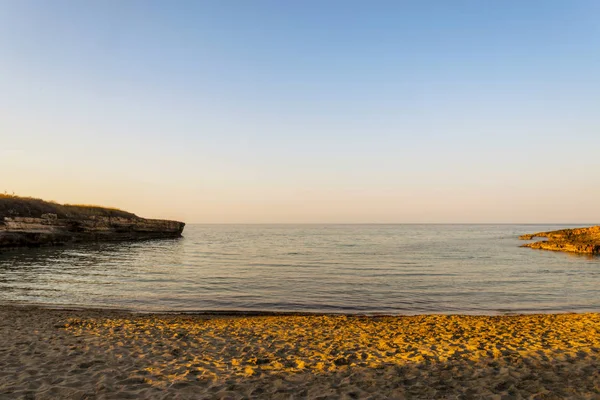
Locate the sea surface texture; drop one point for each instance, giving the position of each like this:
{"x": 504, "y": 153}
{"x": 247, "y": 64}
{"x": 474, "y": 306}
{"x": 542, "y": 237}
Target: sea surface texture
{"x": 366, "y": 269}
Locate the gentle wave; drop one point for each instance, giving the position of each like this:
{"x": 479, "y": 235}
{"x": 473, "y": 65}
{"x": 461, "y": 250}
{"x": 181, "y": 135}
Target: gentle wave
{"x": 391, "y": 269}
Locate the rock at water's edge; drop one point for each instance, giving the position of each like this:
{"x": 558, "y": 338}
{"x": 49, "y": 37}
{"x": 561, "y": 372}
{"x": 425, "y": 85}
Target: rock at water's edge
{"x": 578, "y": 240}
{"x": 34, "y": 222}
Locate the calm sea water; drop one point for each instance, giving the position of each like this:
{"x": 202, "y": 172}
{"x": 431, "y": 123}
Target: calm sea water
{"x": 395, "y": 269}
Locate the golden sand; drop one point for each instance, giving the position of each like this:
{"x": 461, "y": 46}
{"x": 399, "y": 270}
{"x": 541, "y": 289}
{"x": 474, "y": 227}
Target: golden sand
{"x": 115, "y": 355}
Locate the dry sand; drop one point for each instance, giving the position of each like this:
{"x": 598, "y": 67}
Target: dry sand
{"x": 87, "y": 354}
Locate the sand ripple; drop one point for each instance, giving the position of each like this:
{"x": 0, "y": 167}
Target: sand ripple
{"x": 92, "y": 354}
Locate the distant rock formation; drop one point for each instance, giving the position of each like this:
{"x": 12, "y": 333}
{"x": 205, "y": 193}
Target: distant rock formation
{"x": 579, "y": 240}
{"x": 33, "y": 222}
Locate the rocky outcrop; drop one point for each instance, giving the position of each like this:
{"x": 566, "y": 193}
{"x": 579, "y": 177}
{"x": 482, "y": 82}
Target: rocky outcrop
{"x": 99, "y": 224}
{"x": 579, "y": 240}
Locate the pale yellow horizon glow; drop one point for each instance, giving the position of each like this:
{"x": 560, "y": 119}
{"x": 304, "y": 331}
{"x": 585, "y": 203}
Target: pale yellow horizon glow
{"x": 260, "y": 204}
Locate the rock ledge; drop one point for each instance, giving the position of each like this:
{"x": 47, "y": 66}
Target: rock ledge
{"x": 578, "y": 240}
{"x": 34, "y": 222}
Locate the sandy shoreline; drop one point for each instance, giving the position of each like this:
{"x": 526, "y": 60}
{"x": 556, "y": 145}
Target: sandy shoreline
{"x": 112, "y": 354}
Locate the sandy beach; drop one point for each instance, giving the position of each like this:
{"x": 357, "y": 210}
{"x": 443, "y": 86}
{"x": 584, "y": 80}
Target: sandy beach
{"x": 103, "y": 354}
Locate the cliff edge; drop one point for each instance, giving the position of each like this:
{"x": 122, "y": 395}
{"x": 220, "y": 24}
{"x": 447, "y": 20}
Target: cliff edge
{"x": 578, "y": 240}
{"x": 34, "y": 222}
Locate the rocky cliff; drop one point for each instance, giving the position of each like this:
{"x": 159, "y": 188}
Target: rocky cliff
{"x": 579, "y": 240}
{"x": 27, "y": 222}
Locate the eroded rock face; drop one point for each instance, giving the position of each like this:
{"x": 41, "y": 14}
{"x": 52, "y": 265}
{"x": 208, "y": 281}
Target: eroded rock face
{"x": 50, "y": 230}
{"x": 27, "y": 221}
{"x": 579, "y": 240}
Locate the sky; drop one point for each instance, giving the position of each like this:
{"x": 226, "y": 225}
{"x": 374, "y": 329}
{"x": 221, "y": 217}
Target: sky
{"x": 333, "y": 111}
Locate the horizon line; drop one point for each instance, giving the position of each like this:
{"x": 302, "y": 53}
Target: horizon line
{"x": 392, "y": 223}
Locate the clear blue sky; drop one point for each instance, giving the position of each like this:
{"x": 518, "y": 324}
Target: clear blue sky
{"x": 306, "y": 111}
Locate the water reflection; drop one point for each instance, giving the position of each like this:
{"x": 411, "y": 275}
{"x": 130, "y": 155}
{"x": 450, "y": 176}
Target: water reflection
{"x": 332, "y": 268}
{"x": 103, "y": 274}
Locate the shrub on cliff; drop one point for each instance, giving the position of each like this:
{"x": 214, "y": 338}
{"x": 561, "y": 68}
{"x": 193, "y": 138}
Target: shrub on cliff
{"x": 16, "y": 206}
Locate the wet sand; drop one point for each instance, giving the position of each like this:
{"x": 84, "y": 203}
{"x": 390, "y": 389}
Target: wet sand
{"x": 89, "y": 354}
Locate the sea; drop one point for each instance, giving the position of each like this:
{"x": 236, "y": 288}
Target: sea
{"x": 351, "y": 269}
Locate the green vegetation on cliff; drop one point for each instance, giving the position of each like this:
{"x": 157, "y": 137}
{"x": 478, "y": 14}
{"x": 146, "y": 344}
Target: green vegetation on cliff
{"x": 26, "y": 221}
{"x": 16, "y": 206}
